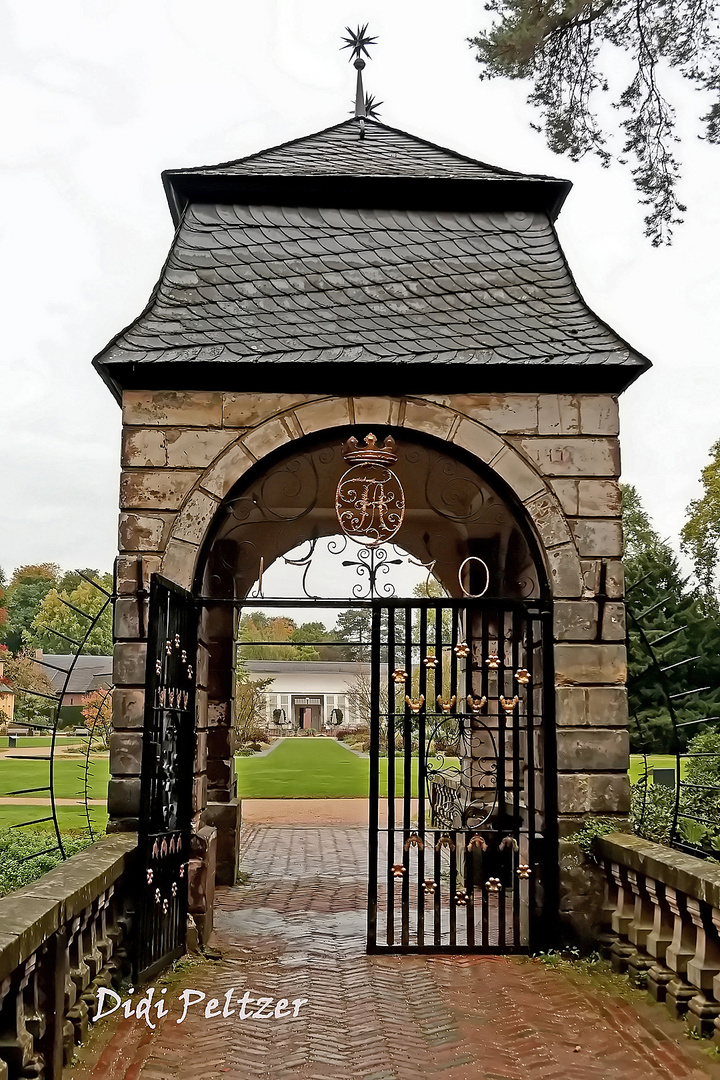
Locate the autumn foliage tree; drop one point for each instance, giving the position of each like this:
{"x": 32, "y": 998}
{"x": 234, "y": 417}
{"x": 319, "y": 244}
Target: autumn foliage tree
{"x": 97, "y": 715}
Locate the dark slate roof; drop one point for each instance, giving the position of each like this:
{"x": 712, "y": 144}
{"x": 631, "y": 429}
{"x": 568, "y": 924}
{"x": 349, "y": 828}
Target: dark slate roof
{"x": 306, "y": 285}
{"x": 389, "y": 251}
{"x": 90, "y": 672}
{"x": 387, "y": 168}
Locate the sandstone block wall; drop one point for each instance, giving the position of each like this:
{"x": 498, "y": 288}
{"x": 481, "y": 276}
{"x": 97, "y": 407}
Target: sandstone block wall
{"x": 183, "y": 451}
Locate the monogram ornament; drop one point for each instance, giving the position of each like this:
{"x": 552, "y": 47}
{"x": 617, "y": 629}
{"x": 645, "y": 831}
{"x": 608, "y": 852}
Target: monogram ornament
{"x": 369, "y": 500}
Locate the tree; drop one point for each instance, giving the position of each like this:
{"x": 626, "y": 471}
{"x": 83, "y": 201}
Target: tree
{"x": 3, "y": 609}
{"x": 59, "y": 626}
{"x": 684, "y": 641}
{"x": 277, "y": 632}
{"x": 249, "y": 707}
{"x": 97, "y": 714}
{"x": 34, "y": 694}
{"x": 25, "y": 593}
{"x": 700, "y": 535}
{"x": 570, "y": 49}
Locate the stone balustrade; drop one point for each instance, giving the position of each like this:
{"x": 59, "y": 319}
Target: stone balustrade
{"x": 61, "y": 938}
{"x": 662, "y": 925}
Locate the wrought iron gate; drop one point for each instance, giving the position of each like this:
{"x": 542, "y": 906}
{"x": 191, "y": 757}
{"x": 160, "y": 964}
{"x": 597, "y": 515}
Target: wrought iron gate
{"x": 461, "y": 827}
{"x": 167, "y": 772}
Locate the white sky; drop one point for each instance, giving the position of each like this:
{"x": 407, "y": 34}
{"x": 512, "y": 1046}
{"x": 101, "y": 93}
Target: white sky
{"x": 100, "y": 95}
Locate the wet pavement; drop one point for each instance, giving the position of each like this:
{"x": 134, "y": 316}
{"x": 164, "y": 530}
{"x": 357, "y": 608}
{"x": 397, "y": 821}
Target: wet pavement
{"x": 294, "y": 936}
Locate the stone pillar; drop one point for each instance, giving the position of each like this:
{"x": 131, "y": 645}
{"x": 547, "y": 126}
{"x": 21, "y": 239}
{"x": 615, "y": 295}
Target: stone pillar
{"x": 679, "y": 952}
{"x": 639, "y": 929}
{"x": 217, "y": 632}
{"x": 702, "y": 969}
{"x": 621, "y": 919}
{"x": 658, "y": 940}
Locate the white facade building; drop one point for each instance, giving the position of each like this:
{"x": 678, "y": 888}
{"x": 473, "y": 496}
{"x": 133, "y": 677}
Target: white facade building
{"x": 307, "y": 693}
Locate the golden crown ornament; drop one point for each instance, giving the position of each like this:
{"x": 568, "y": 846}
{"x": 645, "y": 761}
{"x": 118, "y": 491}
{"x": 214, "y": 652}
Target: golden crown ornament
{"x": 369, "y": 499}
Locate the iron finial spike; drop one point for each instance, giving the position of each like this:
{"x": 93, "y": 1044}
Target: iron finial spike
{"x": 358, "y": 41}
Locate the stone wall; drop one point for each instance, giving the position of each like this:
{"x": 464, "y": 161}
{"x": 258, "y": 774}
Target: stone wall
{"x": 182, "y": 453}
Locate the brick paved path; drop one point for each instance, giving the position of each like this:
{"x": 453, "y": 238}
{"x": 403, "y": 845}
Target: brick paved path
{"x": 297, "y": 931}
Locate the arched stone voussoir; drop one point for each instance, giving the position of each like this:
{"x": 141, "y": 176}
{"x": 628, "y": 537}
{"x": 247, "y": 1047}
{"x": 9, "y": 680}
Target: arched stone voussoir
{"x": 225, "y": 470}
{"x": 323, "y": 415}
{"x": 179, "y": 562}
{"x": 195, "y": 517}
{"x": 542, "y": 505}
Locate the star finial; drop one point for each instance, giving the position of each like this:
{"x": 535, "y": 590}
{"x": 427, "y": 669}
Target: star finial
{"x": 358, "y": 41}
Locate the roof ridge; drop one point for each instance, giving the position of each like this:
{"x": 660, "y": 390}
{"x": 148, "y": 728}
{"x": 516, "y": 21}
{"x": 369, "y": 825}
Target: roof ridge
{"x": 501, "y": 172}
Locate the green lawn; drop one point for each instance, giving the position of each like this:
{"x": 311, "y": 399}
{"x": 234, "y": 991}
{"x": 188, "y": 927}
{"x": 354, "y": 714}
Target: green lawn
{"x": 654, "y": 761}
{"x": 313, "y": 769}
{"x": 296, "y": 769}
{"x": 69, "y": 817}
{"x": 19, "y": 773}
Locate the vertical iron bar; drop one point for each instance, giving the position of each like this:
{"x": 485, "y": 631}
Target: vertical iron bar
{"x": 549, "y": 767}
{"x": 374, "y": 790}
{"x": 517, "y": 630}
{"x": 422, "y": 776}
{"x": 502, "y": 769}
{"x": 391, "y": 776}
{"x": 530, "y": 766}
{"x": 407, "y": 787}
{"x": 438, "y": 690}
{"x": 469, "y": 855}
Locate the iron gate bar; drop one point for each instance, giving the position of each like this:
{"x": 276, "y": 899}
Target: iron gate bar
{"x": 516, "y": 826}
{"x": 166, "y": 792}
{"x": 374, "y": 792}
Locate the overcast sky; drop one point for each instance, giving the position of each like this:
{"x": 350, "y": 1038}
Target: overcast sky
{"x": 101, "y": 95}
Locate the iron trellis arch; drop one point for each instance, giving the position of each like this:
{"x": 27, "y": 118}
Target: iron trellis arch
{"x": 663, "y": 674}
{"x": 107, "y": 600}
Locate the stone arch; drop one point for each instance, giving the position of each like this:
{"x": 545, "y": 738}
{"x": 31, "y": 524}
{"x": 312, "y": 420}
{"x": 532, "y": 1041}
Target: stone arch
{"x": 216, "y": 795}
{"x": 545, "y": 515}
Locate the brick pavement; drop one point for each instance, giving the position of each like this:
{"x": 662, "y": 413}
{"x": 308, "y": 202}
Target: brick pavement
{"x": 297, "y": 931}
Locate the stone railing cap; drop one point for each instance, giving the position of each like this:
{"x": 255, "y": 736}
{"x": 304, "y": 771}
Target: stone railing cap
{"x": 32, "y": 914}
{"x": 685, "y": 873}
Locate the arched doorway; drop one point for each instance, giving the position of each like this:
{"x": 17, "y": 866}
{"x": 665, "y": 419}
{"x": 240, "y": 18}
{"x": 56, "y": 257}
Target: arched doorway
{"x": 461, "y": 744}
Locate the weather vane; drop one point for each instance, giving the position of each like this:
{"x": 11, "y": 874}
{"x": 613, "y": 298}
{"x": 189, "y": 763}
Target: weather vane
{"x": 365, "y": 105}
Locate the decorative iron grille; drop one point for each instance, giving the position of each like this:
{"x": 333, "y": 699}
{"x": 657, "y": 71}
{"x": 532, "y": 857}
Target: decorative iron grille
{"x": 166, "y": 795}
{"x": 462, "y": 833}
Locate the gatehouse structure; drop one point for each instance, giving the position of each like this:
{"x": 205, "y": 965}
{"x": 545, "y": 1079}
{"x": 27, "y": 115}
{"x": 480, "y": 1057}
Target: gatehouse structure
{"x": 364, "y": 284}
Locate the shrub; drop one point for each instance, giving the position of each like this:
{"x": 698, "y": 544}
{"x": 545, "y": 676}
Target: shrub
{"x": 16, "y": 869}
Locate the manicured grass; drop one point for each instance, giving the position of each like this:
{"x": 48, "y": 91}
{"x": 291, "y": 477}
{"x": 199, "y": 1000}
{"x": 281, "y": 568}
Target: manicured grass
{"x": 19, "y": 773}
{"x": 654, "y": 761}
{"x": 314, "y": 769}
{"x": 69, "y": 817}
